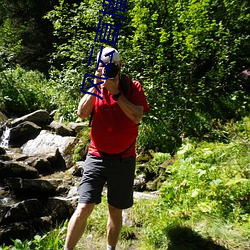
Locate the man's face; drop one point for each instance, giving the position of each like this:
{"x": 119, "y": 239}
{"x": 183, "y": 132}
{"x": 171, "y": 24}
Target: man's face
{"x": 103, "y": 68}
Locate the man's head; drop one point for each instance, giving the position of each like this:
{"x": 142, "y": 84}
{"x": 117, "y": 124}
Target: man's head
{"x": 110, "y": 58}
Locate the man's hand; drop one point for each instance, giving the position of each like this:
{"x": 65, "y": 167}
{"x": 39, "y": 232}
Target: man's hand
{"x": 99, "y": 71}
{"x": 112, "y": 85}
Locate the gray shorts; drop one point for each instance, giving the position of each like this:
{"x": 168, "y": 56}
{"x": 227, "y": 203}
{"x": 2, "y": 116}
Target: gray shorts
{"x": 118, "y": 173}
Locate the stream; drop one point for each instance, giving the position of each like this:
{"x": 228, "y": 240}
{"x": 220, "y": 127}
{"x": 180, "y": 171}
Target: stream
{"x": 4, "y": 139}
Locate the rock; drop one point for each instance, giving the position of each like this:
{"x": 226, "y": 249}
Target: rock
{"x": 73, "y": 192}
{"x": 23, "y": 211}
{"x": 46, "y": 141}
{"x": 125, "y": 219}
{"x": 39, "y": 117}
{"x": 42, "y": 165}
{"x": 2, "y": 151}
{"x": 15, "y": 154}
{"x": 61, "y": 129}
{"x": 18, "y": 230}
{"x": 76, "y": 170}
{"x": 60, "y": 208}
{"x": 35, "y": 174}
{"x": 140, "y": 182}
{"x": 16, "y": 169}
{"x": 3, "y": 210}
{"x": 55, "y": 159}
{"x": 4, "y": 158}
{"x": 31, "y": 187}
{"x": 44, "y": 223}
{"x": 23, "y": 132}
{"x": 77, "y": 126}
{"x": 49, "y": 153}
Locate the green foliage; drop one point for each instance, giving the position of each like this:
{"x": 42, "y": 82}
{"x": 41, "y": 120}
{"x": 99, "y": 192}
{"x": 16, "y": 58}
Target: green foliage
{"x": 158, "y": 135}
{"x": 26, "y": 38}
{"x": 74, "y": 26}
{"x": 52, "y": 240}
{"x": 81, "y": 147}
{"x": 154, "y": 170}
{"x": 206, "y": 197}
{"x": 159, "y": 158}
{"x": 212, "y": 178}
{"x": 24, "y": 91}
{"x": 188, "y": 56}
{"x": 10, "y": 44}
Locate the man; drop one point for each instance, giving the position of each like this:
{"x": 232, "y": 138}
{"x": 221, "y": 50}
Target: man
{"x": 111, "y": 154}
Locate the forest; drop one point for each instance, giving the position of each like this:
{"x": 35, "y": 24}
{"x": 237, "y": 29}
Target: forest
{"x": 193, "y": 60}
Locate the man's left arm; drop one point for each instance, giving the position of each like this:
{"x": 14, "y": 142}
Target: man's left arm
{"x": 132, "y": 111}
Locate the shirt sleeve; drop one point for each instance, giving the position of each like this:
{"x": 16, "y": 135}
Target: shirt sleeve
{"x": 138, "y": 97}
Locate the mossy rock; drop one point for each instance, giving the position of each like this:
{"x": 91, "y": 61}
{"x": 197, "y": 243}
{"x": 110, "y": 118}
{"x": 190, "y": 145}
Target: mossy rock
{"x": 3, "y": 117}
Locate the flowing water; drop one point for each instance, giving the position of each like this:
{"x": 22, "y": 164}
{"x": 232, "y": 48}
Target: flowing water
{"x": 4, "y": 140}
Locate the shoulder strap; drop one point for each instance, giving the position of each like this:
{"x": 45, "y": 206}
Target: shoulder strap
{"x": 91, "y": 116}
{"x": 125, "y": 85}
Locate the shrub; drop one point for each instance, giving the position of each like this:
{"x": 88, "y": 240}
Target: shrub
{"x": 25, "y": 91}
{"x": 211, "y": 178}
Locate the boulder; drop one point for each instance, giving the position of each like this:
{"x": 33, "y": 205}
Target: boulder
{"x": 55, "y": 158}
{"x": 41, "y": 164}
{"x": 36, "y": 187}
{"x": 23, "y": 211}
{"x": 17, "y": 230}
{"x": 61, "y": 208}
{"x": 23, "y": 132}
{"x": 44, "y": 223}
{"x": 76, "y": 170}
{"x": 16, "y": 169}
{"x": 140, "y": 182}
{"x": 61, "y": 129}
{"x": 78, "y": 126}
{"x": 3, "y": 210}
{"x": 48, "y": 142}
{"x": 25, "y": 230}
{"x": 39, "y": 117}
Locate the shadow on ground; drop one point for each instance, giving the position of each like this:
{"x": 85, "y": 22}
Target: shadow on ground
{"x": 184, "y": 238}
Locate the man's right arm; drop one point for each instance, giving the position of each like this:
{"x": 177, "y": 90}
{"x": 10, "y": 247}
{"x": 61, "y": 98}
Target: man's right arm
{"x": 86, "y": 104}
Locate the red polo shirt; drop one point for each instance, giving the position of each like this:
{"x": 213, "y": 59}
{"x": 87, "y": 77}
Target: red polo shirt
{"x": 112, "y": 131}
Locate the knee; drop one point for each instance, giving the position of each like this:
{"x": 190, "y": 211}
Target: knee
{"x": 113, "y": 211}
{"x": 84, "y": 210}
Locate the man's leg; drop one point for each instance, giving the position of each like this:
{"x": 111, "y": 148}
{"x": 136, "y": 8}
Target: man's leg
{"x": 114, "y": 225}
{"x": 77, "y": 224}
